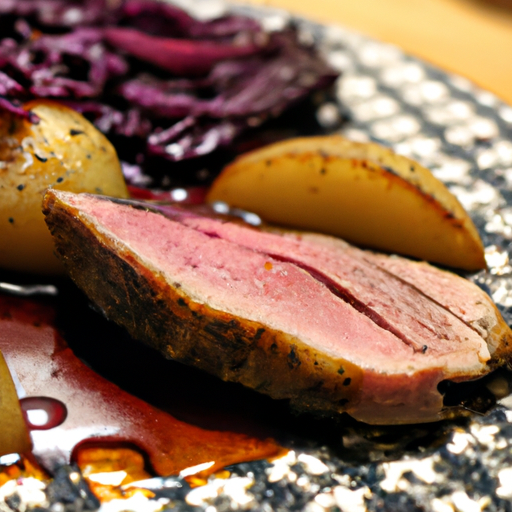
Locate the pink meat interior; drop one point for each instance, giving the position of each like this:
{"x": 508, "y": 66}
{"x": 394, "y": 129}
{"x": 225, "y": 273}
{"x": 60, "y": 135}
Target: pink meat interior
{"x": 330, "y": 298}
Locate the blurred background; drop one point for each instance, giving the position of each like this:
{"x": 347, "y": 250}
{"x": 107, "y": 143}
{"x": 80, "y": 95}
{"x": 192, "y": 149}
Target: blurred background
{"x": 470, "y": 37}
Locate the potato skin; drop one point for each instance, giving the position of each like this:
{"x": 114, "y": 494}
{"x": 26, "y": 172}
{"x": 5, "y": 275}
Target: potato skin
{"x": 364, "y": 193}
{"x": 63, "y": 150}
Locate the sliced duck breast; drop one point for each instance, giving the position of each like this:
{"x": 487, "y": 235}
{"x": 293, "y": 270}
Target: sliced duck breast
{"x": 297, "y": 316}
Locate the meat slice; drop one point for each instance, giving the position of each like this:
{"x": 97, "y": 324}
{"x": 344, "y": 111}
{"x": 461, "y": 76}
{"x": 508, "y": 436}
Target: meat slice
{"x": 390, "y": 302}
{"x": 476, "y": 309}
{"x": 297, "y": 316}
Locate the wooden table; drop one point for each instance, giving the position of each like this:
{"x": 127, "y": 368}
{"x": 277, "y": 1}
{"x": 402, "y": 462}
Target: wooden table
{"x": 468, "y": 37}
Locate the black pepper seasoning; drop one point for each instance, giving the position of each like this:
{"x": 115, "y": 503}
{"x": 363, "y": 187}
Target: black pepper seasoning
{"x": 41, "y": 158}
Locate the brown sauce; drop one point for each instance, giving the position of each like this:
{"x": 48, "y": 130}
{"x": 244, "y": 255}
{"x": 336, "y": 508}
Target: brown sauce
{"x": 105, "y": 426}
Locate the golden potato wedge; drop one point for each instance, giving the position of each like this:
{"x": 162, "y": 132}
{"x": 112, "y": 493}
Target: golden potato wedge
{"x": 63, "y": 151}
{"x": 364, "y": 193}
{"x": 14, "y": 437}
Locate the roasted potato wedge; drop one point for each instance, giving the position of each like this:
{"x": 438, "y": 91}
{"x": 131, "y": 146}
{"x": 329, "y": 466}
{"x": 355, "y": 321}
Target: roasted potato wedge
{"x": 14, "y": 437}
{"x": 364, "y": 193}
{"x": 63, "y": 150}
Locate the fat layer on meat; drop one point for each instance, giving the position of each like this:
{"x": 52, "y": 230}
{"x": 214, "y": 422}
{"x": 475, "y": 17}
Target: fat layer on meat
{"x": 298, "y": 316}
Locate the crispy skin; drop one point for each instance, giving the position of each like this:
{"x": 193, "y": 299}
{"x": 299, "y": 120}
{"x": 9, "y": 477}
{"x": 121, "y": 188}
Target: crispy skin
{"x": 153, "y": 308}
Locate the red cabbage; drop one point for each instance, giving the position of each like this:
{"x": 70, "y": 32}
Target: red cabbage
{"x": 178, "y": 56}
{"x": 146, "y": 71}
{"x": 8, "y": 86}
{"x": 165, "y": 19}
{"x": 58, "y": 13}
{"x": 15, "y": 108}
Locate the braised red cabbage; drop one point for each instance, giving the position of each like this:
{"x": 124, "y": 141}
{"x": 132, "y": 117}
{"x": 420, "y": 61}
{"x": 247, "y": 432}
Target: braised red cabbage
{"x": 146, "y": 69}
